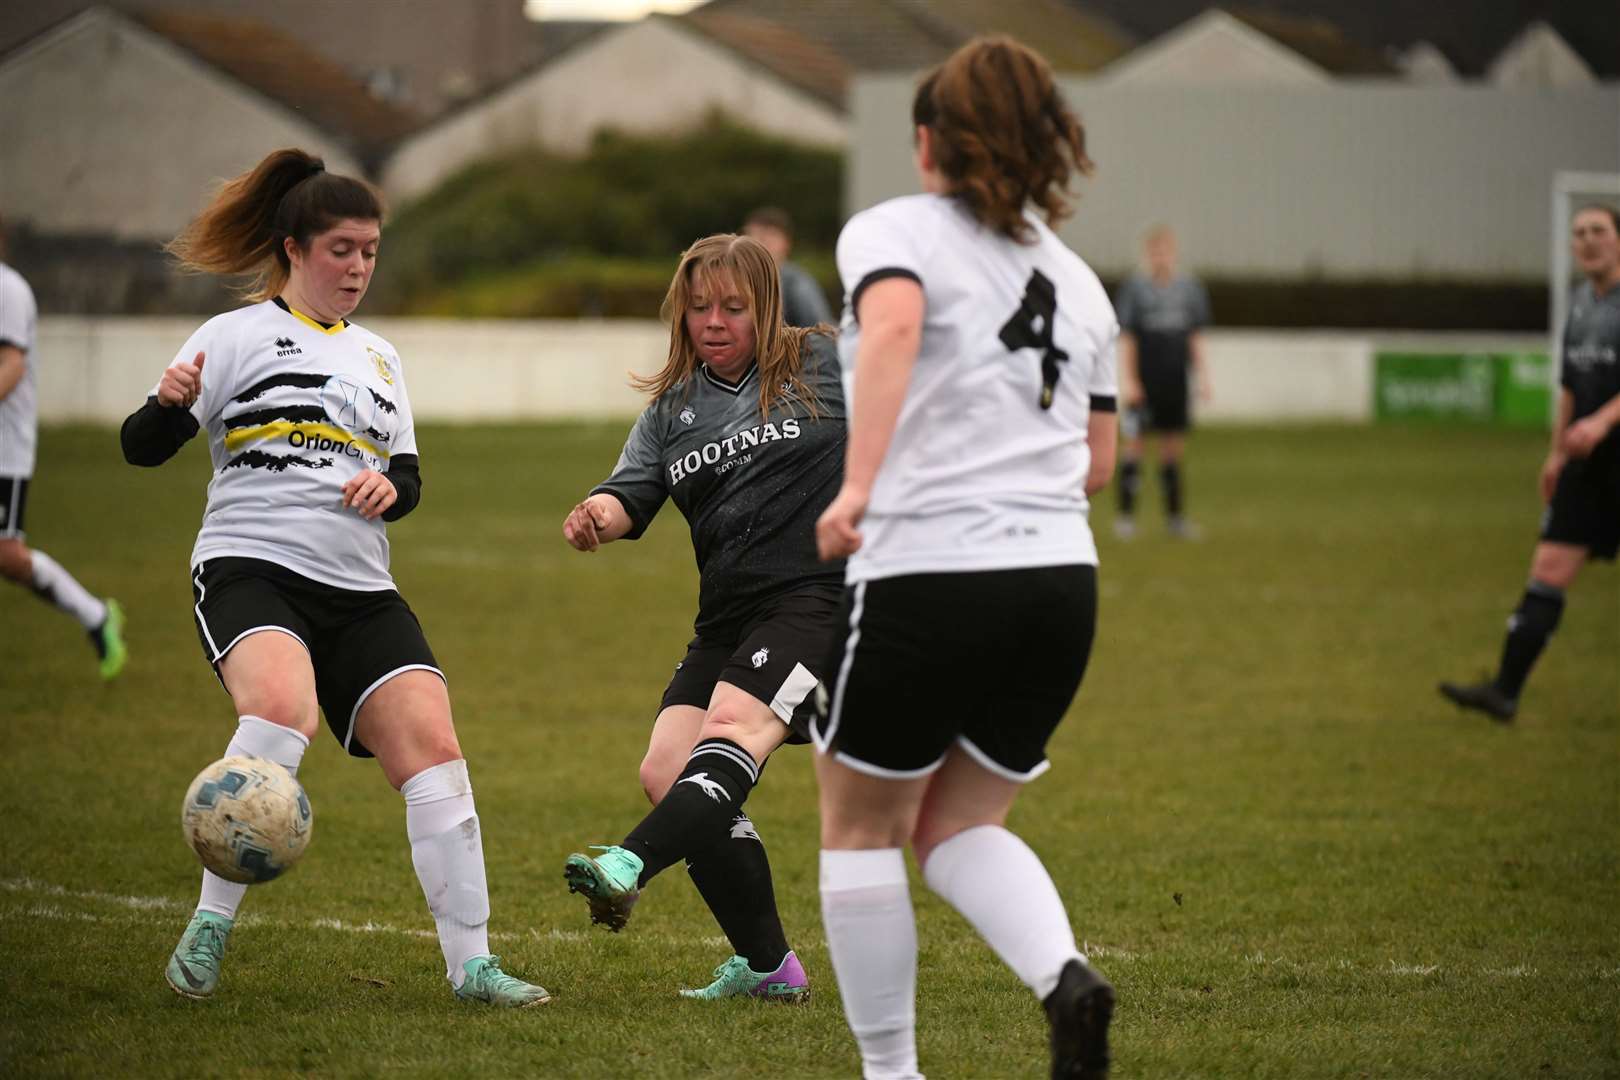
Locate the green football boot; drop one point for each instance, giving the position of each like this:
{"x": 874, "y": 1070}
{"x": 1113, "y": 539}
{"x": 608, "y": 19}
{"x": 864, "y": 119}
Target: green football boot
{"x": 108, "y": 638}
{"x": 486, "y": 982}
{"x": 609, "y": 883}
{"x": 734, "y": 978}
{"x": 193, "y": 970}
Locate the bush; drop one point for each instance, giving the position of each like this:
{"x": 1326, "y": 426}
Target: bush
{"x": 528, "y": 217}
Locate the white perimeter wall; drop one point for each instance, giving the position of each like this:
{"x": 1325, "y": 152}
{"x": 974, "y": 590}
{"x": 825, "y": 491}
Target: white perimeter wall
{"x": 100, "y": 369}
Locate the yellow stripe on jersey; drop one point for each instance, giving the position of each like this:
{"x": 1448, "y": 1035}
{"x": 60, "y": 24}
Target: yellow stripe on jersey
{"x": 282, "y": 429}
{"x": 336, "y": 328}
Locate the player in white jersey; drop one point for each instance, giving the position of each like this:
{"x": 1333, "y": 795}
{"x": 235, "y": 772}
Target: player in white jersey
{"x": 102, "y": 620}
{"x": 979, "y": 361}
{"x": 310, "y": 432}
{"x": 745, "y": 435}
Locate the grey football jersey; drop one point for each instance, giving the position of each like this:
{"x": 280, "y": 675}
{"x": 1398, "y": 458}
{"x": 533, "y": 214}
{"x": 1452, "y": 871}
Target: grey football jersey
{"x": 1591, "y": 363}
{"x": 1161, "y": 317}
{"x": 750, "y": 487}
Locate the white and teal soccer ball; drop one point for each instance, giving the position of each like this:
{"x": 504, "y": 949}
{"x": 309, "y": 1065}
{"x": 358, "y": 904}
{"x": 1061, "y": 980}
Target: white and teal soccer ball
{"x": 247, "y": 819}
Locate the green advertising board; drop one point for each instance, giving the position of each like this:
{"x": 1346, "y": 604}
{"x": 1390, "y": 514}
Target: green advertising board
{"x": 1470, "y": 388}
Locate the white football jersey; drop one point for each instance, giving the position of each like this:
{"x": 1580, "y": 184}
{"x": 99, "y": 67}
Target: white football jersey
{"x": 987, "y": 467}
{"x": 293, "y": 410}
{"x": 19, "y": 426}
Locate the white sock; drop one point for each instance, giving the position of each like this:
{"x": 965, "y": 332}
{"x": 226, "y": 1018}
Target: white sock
{"x": 56, "y": 586}
{"x": 260, "y": 738}
{"x": 872, "y": 936}
{"x": 448, "y": 854}
{"x": 1000, "y": 886}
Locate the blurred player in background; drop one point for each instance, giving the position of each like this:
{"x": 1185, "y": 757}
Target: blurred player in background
{"x": 103, "y": 620}
{"x": 803, "y": 302}
{"x": 310, "y": 431}
{"x": 745, "y": 434}
{"x": 979, "y": 357}
{"x": 1580, "y": 480}
{"x": 1162, "y": 314}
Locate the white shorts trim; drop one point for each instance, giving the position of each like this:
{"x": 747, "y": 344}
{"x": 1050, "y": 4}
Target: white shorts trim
{"x": 348, "y": 736}
{"x": 256, "y": 630}
{"x": 835, "y": 712}
{"x": 989, "y": 765}
{"x": 800, "y": 683}
{"x": 887, "y": 774}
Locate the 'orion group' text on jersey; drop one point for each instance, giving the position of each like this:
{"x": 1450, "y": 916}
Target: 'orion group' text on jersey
{"x": 749, "y": 486}
{"x": 293, "y": 410}
{"x": 988, "y": 462}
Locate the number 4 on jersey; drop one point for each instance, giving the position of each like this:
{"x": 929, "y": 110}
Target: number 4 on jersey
{"x": 1021, "y": 332}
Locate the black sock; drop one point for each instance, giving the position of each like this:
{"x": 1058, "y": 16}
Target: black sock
{"x": 1170, "y": 475}
{"x": 734, "y": 878}
{"x": 1130, "y": 480}
{"x": 1529, "y": 627}
{"x": 698, "y": 809}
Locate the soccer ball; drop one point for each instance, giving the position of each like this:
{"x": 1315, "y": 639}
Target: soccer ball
{"x": 247, "y": 819}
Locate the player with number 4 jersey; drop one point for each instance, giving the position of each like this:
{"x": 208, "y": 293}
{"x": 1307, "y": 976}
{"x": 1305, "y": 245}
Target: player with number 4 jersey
{"x": 978, "y": 354}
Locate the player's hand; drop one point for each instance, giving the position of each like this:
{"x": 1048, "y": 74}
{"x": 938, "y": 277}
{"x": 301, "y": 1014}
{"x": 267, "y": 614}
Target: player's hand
{"x": 1549, "y": 475}
{"x": 1204, "y": 391}
{"x": 181, "y": 383}
{"x": 369, "y": 492}
{"x": 838, "y": 535}
{"x": 1133, "y": 395}
{"x": 583, "y": 526}
{"x": 1582, "y": 437}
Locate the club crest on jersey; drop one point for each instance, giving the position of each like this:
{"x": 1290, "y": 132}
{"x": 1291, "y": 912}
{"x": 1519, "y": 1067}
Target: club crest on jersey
{"x": 687, "y": 416}
{"x": 385, "y": 370}
{"x": 286, "y": 346}
{"x": 761, "y": 658}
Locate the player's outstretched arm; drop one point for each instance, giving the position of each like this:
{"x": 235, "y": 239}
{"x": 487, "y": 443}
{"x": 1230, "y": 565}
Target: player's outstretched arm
{"x": 152, "y": 433}
{"x": 599, "y": 520}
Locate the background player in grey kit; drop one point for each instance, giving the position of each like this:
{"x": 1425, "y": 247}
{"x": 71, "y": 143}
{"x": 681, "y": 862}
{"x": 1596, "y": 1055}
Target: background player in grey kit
{"x": 1580, "y": 480}
{"x": 803, "y": 302}
{"x": 103, "y": 620}
{"x": 745, "y": 434}
{"x": 1162, "y": 313}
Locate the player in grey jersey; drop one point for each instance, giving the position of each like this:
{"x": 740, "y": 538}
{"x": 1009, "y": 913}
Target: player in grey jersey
{"x": 1162, "y": 315}
{"x": 1580, "y": 480}
{"x": 102, "y": 620}
{"x": 745, "y": 434}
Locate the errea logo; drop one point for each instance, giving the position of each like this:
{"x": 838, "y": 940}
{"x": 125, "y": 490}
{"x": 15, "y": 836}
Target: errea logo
{"x": 286, "y": 346}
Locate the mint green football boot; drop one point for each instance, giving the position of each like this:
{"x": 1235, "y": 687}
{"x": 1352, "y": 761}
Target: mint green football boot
{"x": 486, "y": 982}
{"x": 609, "y": 883}
{"x": 108, "y": 638}
{"x": 193, "y": 970}
{"x": 787, "y": 985}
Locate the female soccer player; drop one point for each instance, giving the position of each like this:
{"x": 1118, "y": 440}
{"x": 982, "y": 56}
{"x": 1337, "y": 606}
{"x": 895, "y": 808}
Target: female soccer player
{"x": 310, "y": 431}
{"x": 1580, "y": 480}
{"x": 979, "y": 352}
{"x": 745, "y": 433}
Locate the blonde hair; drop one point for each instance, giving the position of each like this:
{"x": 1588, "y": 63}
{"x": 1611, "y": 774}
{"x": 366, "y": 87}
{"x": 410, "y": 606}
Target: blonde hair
{"x": 241, "y": 231}
{"x": 742, "y": 263}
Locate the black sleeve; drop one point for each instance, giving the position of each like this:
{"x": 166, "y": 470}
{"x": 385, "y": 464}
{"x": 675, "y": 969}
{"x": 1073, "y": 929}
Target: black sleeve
{"x": 153, "y": 433}
{"x": 406, "y": 476}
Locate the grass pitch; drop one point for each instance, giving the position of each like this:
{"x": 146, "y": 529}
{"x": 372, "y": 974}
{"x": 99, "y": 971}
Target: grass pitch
{"x": 1290, "y": 856}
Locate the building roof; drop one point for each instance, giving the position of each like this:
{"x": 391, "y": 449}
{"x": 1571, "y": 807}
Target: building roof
{"x": 283, "y": 69}
{"x": 1319, "y": 41}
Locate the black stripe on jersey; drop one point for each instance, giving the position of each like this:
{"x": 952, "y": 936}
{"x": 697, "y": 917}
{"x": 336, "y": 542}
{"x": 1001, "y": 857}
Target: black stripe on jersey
{"x": 295, "y": 378}
{"x": 1104, "y": 403}
{"x": 382, "y": 403}
{"x": 258, "y": 459}
{"x": 295, "y": 413}
{"x": 872, "y": 279}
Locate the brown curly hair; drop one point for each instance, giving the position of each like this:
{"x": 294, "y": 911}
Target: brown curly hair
{"x": 1003, "y": 137}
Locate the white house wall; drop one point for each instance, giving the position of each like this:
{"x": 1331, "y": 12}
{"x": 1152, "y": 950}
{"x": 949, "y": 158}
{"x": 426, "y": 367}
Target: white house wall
{"x": 1214, "y": 48}
{"x": 109, "y": 128}
{"x": 1359, "y": 181}
{"x": 649, "y": 77}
